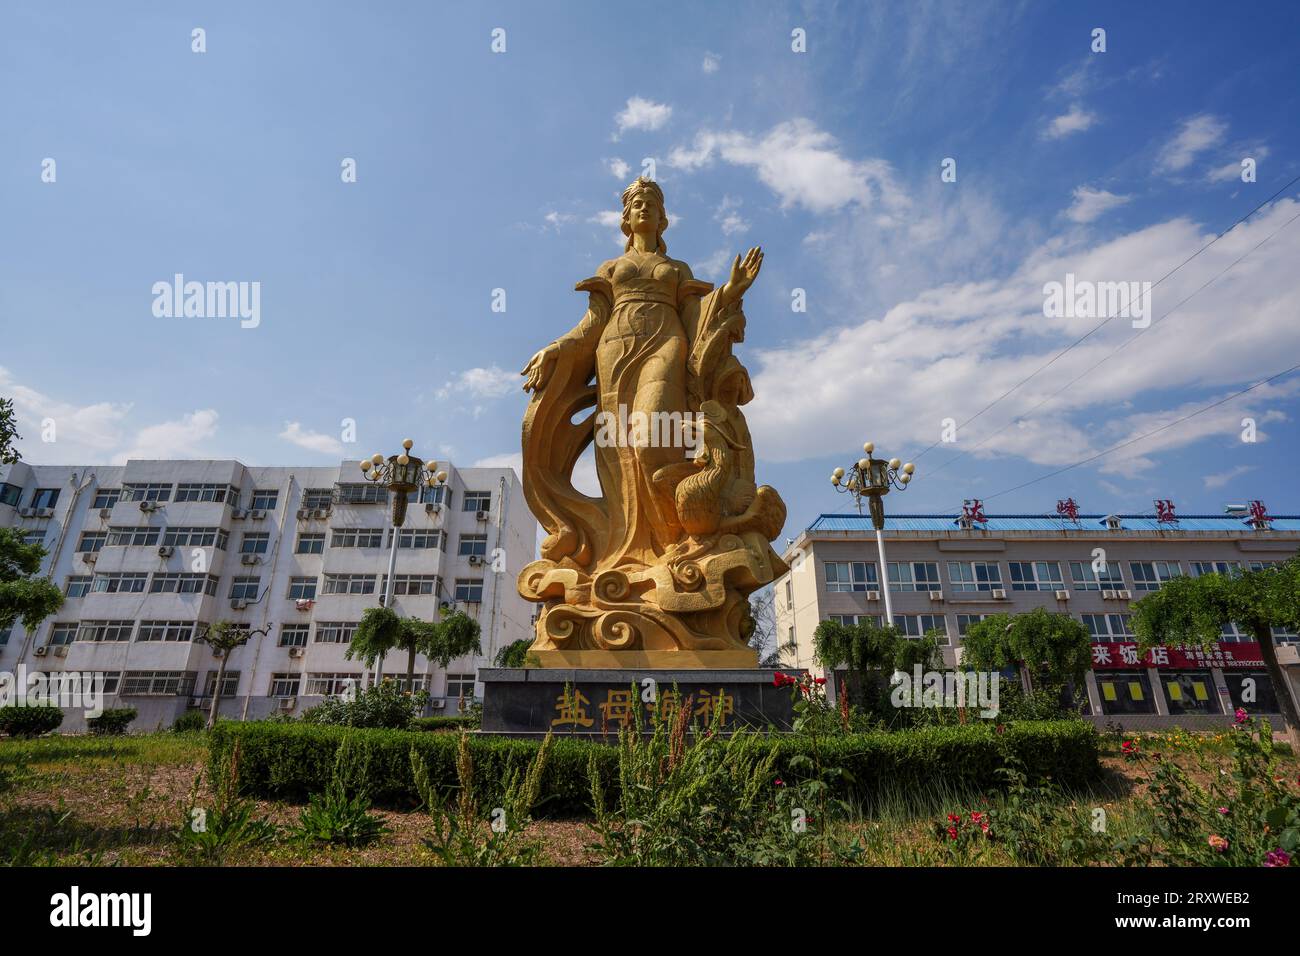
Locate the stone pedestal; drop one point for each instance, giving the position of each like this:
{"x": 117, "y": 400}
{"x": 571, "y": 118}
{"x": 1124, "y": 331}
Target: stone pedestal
{"x": 598, "y": 702}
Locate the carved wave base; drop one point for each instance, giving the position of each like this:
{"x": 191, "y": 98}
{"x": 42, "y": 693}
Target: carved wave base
{"x": 687, "y": 613}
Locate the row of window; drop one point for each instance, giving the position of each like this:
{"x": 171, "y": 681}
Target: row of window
{"x": 974, "y": 576}
{"x": 259, "y": 542}
{"x": 248, "y": 587}
{"x": 181, "y": 683}
{"x": 263, "y": 499}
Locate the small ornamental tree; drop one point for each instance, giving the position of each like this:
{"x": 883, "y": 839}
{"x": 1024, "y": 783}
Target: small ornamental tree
{"x": 514, "y": 654}
{"x": 223, "y": 637}
{"x": 866, "y": 647}
{"x": 22, "y": 593}
{"x": 382, "y": 630}
{"x": 1047, "y": 646}
{"x": 379, "y": 632}
{"x": 1193, "y": 611}
{"x": 8, "y": 433}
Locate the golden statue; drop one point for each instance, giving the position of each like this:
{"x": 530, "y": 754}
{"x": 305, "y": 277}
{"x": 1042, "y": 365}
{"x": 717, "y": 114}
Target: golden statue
{"x": 656, "y": 572}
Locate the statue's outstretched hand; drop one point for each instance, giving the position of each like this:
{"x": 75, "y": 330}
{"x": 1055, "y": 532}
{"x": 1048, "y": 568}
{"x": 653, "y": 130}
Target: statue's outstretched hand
{"x": 743, "y": 274}
{"x": 539, "y": 368}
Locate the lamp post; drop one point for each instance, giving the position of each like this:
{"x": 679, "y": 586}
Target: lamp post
{"x": 871, "y": 478}
{"x": 400, "y": 474}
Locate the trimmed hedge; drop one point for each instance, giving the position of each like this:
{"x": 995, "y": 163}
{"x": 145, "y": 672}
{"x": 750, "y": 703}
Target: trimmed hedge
{"x": 29, "y": 720}
{"x": 443, "y": 723}
{"x": 112, "y": 722}
{"x": 291, "y": 761}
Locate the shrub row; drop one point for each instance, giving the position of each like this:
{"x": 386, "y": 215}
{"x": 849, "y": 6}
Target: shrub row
{"x": 291, "y": 761}
{"x": 443, "y": 723}
{"x": 29, "y": 720}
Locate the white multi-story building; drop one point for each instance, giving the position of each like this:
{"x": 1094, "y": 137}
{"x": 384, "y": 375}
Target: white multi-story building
{"x": 151, "y": 552}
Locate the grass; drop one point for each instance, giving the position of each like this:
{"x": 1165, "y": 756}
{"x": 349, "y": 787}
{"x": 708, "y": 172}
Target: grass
{"x": 116, "y": 801}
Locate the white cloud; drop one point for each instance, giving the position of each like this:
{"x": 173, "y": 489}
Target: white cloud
{"x": 641, "y": 113}
{"x": 716, "y": 266}
{"x": 513, "y": 460}
{"x": 618, "y": 168}
{"x": 312, "y": 441}
{"x": 490, "y": 382}
{"x": 557, "y": 219}
{"x": 1224, "y": 477}
{"x": 1197, "y": 134}
{"x": 181, "y": 438}
{"x": 82, "y": 432}
{"x": 727, "y": 215}
{"x": 1075, "y": 120}
{"x": 1231, "y": 171}
{"x": 802, "y": 164}
{"x": 711, "y": 63}
{"x": 952, "y": 349}
{"x": 1091, "y": 203}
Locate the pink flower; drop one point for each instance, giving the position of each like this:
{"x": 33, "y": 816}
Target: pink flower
{"x": 1223, "y": 810}
{"x": 780, "y": 782}
{"x": 976, "y": 816}
{"x": 1278, "y": 857}
{"x": 1217, "y": 842}
{"x": 1241, "y": 715}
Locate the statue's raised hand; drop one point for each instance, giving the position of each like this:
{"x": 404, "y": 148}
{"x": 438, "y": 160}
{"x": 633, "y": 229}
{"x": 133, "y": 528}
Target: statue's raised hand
{"x": 539, "y": 368}
{"x": 743, "y": 274}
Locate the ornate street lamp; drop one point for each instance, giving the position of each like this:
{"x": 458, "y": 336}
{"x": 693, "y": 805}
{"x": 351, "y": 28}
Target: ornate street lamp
{"x": 871, "y": 478}
{"x": 401, "y": 475}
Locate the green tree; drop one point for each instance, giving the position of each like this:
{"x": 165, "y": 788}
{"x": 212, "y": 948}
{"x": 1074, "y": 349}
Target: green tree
{"x": 1193, "y": 611}
{"x": 8, "y": 433}
{"x": 456, "y": 635}
{"x": 379, "y": 632}
{"x": 223, "y": 637}
{"x": 514, "y": 654}
{"x": 1046, "y": 645}
{"x": 22, "y": 593}
{"x": 382, "y": 630}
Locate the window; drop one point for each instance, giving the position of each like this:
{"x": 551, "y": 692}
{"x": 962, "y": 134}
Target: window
{"x": 62, "y": 635}
{"x": 1109, "y": 627}
{"x": 285, "y": 685}
{"x": 362, "y": 494}
{"x": 413, "y": 583}
{"x": 469, "y": 590}
{"x": 302, "y": 589}
{"x": 318, "y": 499}
{"x": 5, "y": 633}
{"x": 147, "y": 492}
{"x": 255, "y": 542}
{"x": 45, "y": 497}
{"x": 1255, "y": 685}
{"x": 472, "y": 544}
{"x": 1149, "y": 575}
{"x": 350, "y": 584}
{"x": 1190, "y": 692}
{"x": 206, "y": 492}
{"x": 1084, "y": 578}
{"x": 158, "y": 684}
{"x": 184, "y": 584}
{"x": 10, "y": 494}
{"x": 850, "y": 620}
{"x": 34, "y": 537}
{"x": 294, "y": 635}
{"x": 477, "y": 501}
{"x": 132, "y": 537}
{"x": 914, "y": 576}
{"x": 356, "y": 537}
{"x": 106, "y": 497}
{"x": 120, "y": 583}
{"x": 175, "y": 632}
{"x": 104, "y": 632}
{"x": 1125, "y": 692}
{"x": 975, "y": 575}
{"x": 789, "y": 593}
{"x": 441, "y": 495}
{"x": 229, "y": 683}
{"x": 265, "y": 500}
{"x": 335, "y": 632}
{"x": 1213, "y": 567}
{"x": 77, "y": 586}
{"x": 917, "y": 625}
{"x": 964, "y": 621}
{"x": 1036, "y": 576}
{"x": 421, "y": 681}
{"x": 330, "y": 685}
{"x": 245, "y": 588}
{"x": 310, "y": 544}
{"x": 92, "y": 541}
{"x": 851, "y": 576}
{"x": 421, "y": 538}
{"x": 108, "y": 681}
{"x": 460, "y": 686}
{"x": 196, "y": 537}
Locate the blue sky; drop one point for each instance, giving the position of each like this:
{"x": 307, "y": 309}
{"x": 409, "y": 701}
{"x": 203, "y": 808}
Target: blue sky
{"x": 479, "y": 170}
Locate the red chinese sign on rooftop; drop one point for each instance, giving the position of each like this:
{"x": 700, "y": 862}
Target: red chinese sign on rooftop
{"x": 1068, "y": 508}
{"x": 972, "y": 510}
{"x": 1165, "y": 511}
{"x": 1118, "y": 656}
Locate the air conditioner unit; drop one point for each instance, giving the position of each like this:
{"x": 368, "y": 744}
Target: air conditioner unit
{"x": 250, "y": 559}
{"x": 475, "y": 559}
{"x": 302, "y": 514}
{"x": 45, "y": 512}
{"x": 40, "y": 651}
{"x": 106, "y": 512}
{"x": 148, "y": 506}
{"x": 296, "y": 651}
{"x": 90, "y": 557}
{"x": 28, "y": 512}
{"x": 432, "y": 507}
{"x": 238, "y": 604}
{"x": 196, "y": 701}
{"x": 1108, "y": 595}
{"x": 1124, "y": 595}
{"x": 61, "y": 650}
{"x": 438, "y": 704}
{"x": 1063, "y": 595}
{"x": 873, "y": 595}
{"x": 288, "y": 703}
{"x": 238, "y": 513}
{"x": 166, "y": 551}
{"x": 936, "y": 595}
{"x": 257, "y": 515}
{"x": 321, "y": 513}
{"x": 481, "y": 516}
{"x": 998, "y": 594}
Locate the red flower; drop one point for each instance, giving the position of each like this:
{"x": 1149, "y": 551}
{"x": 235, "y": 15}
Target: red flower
{"x": 1241, "y": 715}
{"x": 820, "y": 680}
{"x": 952, "y": 833}
{"x": 954, "y": 818}
{"x": 976, "y": 816}
{"x": 780, "y": 782}
{"x": 1129, "y": 748}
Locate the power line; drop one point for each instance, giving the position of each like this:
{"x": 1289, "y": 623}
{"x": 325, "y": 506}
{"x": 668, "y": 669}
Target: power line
{"x": 1104, "y": 322}
{"x": 1123, "y": 345}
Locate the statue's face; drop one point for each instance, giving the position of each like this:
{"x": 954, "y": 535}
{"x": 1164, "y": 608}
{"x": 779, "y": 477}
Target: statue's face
{"x": 643, "y": 214}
